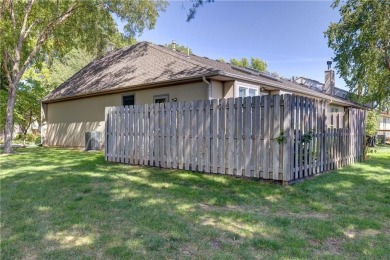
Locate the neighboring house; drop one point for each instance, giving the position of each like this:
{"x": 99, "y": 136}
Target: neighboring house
{"x": 323, "y": 88}
{"x": 149, "y": 73}
{"x": 384, "y": 117}
{"x": 33, "y": 129}
{"x": 328, "y": 88}
{"x": 384, "y": 125}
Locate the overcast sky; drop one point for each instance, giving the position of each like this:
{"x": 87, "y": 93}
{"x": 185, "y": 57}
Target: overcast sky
{"x": 288, "y": 35}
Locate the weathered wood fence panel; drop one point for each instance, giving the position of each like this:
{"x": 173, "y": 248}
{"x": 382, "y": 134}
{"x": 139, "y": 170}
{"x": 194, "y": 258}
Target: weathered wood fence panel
{"x": 279, "y": 137}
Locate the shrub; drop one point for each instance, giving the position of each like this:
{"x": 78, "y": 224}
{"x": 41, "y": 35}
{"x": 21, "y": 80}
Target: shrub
{"x": 38, "y": 140}
{"x": 30, "y": 137}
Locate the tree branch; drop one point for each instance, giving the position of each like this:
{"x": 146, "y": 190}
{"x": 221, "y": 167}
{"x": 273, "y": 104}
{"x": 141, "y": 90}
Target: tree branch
{"x": 44, "y": 34}
{"x": 5, "y": 68}
{"x": 3, "y": 5}
{"x": 24, "y": 24}
{"x": 11, "y": 7}
{"x": 30, "y": 28}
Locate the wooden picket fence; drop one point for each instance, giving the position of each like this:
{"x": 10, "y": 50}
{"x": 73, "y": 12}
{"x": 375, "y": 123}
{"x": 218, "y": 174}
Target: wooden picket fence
{"x": 280, "y": 137}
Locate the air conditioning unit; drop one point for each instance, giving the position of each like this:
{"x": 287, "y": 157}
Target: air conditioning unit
{"x": 92, "y": 140}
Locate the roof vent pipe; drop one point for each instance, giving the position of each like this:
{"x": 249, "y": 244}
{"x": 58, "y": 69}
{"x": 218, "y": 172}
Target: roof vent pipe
{"x": 329, "y": 63}
{"x": 174, "y": 45}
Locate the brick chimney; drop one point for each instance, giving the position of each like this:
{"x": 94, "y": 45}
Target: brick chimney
{"x": 329, "y": 80}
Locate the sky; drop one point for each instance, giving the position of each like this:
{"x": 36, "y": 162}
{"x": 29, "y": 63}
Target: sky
{"x": 287, "y": 35}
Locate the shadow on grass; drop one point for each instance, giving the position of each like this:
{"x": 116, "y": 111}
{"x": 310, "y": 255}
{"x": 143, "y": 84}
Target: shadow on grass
{"x": 67, "y": 203}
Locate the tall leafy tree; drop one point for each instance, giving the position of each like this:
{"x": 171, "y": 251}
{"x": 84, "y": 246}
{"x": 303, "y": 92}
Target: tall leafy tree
{"x": 62, "y": 69}
{"x": 32, "y": 31}
{"x": 361, "y": 42}
{"x": 258, "y": 64}
{"x": 27, "y": 105}
{"x": 243, "y": 62}
{"x": 372, "y": 127}
{"x": 182, "y": 48}
{"x": 254, "y": 63}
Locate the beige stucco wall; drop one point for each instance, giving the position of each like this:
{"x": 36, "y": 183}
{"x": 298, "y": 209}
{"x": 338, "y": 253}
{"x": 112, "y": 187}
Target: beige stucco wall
{"x": 65, "y": 123}
{"x": 186, "y": 92}
{"x": 228, "y": 89}
{"x": 216, "y": 89}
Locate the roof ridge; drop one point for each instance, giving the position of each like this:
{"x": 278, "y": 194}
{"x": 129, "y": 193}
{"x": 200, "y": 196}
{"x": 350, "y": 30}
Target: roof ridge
{"x": 165, "y": 50}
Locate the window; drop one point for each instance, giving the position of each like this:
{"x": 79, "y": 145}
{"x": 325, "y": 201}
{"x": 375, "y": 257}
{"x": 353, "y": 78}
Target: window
{"x": 247, "y": 92}
{"x": 161, "y": 98}
{"x": 128, "y": 100}
{"x": 252, "y": 92}
{"x": 334, "y": 109}
{"x": 242, "y": 92}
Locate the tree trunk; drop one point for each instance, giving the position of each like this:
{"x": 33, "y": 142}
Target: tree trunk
{"x": 9, "y": 118}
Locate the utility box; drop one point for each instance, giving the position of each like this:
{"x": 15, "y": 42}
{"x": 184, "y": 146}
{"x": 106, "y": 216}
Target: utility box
{"x": 92, "y": 140}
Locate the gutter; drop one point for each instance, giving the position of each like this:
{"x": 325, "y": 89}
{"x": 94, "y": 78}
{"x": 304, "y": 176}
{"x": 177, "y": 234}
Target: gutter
{"x": 208, "y": 86}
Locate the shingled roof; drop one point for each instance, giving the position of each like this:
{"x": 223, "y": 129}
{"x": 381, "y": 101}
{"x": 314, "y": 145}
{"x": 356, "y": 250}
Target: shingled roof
{"x": 146, "y": 64}
{"x": 142, "y": 63}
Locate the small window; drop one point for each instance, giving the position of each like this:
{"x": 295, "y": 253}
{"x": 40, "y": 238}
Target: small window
{"x": 128, "y": 100}
{"x": 252, "y": 92}
{"x": 242, "y": 92}
{"x": 247, "y": 92}
{"x": 334, "y": 109}
{"x": 161, "y": 99}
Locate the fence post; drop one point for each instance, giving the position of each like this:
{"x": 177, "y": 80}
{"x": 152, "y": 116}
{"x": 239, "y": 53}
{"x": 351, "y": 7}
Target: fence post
{"x": 287, "y": 146}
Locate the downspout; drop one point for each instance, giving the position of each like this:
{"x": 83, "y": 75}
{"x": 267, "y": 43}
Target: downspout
{"x": 208, "y": 86}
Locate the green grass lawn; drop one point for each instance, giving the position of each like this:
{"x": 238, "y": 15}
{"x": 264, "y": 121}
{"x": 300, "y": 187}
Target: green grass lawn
{"x": 58, "y": 203}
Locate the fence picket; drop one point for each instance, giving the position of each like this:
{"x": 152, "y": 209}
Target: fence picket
{"x": 296, "y": 137}
{"x": 266, "y": 141}
{"x": 193, "y": 152}
{"x": 214, "y": 152}
{"x": 207, "y": 133}
{"x": 200, "y": 136}
{"x": 174, "y": 127}
{"x": 187, "y": 144}
{"x": 168, "y": 133}
{"x": 257, "y": 137}
{"x": 247, "y": 135}
{"x": 310, "y": 143}
{"x": 141, "y": 134}
{"x": 230, "y": 130}
{"x": 276, "y": 134}
{"x": 288, "y": 123}
{"x": 222, "y": 135}
{"x": 180, "y": 119}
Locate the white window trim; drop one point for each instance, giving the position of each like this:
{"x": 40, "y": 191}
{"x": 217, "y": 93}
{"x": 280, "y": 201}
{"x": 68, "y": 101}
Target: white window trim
{"x": 237, "y": 94}
{"x": 166, "y": 96}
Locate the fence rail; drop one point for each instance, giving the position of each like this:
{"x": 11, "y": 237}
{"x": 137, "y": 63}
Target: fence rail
{"x": 279, "y": 137}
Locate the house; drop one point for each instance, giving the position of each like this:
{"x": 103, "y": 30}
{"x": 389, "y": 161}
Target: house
{"x": 384, "y": 117}
{"x": 384, "y": 127}
{"x": 323, "y": 88}
{"x": 149, "y": 73}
